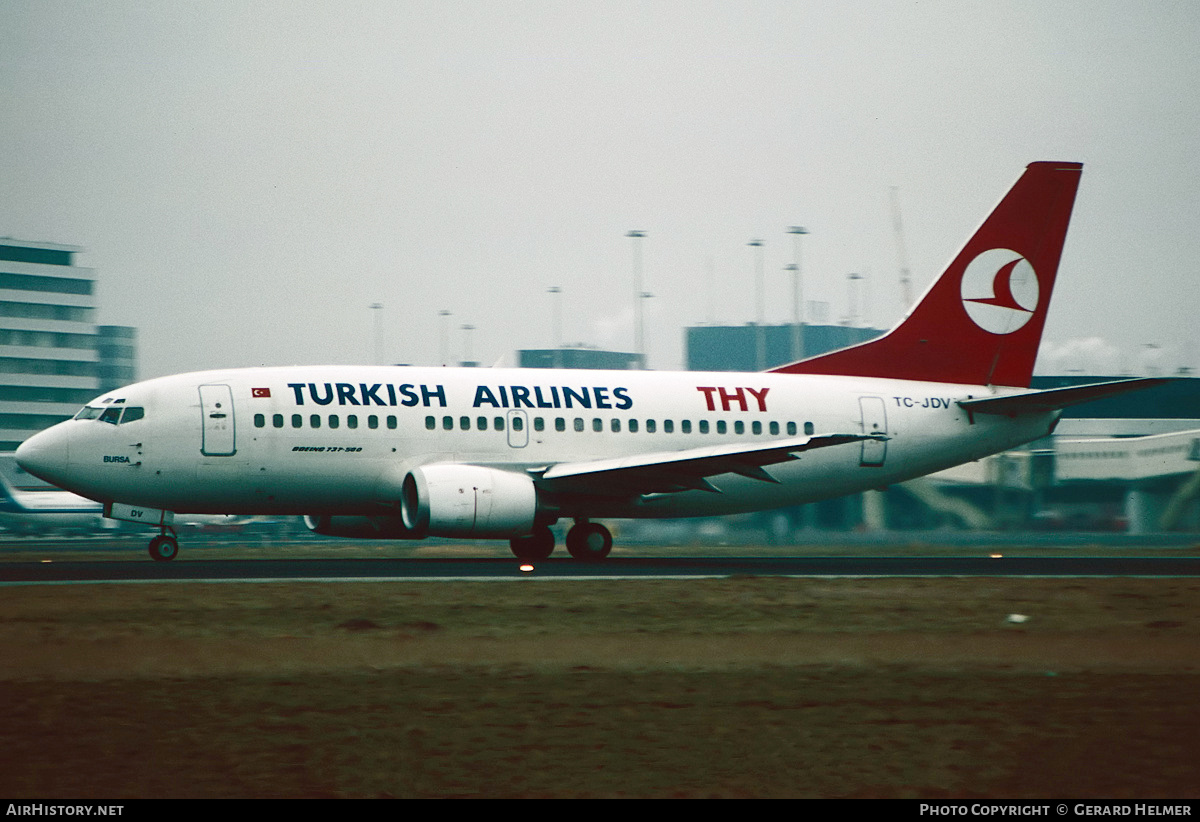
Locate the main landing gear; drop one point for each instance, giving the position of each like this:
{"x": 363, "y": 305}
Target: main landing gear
{"x": 586, "y": 541}
{"x": 164, "y": 547}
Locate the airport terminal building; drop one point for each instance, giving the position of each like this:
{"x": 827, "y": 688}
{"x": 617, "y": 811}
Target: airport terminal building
{"x": 53, "y": 356}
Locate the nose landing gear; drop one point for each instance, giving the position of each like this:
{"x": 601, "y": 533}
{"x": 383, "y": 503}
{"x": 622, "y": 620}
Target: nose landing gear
{"x": 163, "y": 547}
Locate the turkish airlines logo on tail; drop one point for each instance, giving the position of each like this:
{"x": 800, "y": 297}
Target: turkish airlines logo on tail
{"x": 1000, "y": 291}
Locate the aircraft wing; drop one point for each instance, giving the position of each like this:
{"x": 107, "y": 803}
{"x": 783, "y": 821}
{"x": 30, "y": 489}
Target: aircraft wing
{"x": 668, "y": 472}
{"x": 1051, "y": 399}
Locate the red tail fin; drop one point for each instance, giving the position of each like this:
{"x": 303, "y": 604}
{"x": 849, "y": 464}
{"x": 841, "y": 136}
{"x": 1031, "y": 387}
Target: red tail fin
{"x": 981, "y": 321}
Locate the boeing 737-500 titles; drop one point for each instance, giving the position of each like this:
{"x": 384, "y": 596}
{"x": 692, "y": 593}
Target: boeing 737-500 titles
{"x": 407, "y": 453}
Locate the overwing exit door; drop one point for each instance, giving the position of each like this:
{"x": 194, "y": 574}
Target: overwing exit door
{"x": 518, "y": 431}
{"x": 218, "y": 433}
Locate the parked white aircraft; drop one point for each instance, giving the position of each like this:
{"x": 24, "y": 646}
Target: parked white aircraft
{"x": 406, "y": 453}
{"x": 44, "y": 509}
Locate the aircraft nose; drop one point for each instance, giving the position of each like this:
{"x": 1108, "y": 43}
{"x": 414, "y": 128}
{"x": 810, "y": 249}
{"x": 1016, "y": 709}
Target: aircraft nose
{"x": 45, "y": 454}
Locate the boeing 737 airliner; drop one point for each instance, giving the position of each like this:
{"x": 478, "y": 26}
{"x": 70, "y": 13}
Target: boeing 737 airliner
{"x": 407, "y": 453}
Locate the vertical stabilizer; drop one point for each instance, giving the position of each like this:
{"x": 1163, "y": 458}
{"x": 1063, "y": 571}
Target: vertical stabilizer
{"x": 981, "y": 321}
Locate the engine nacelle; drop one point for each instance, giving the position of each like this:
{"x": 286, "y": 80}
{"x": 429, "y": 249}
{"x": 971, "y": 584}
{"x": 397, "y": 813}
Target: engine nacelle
{"x": 449, "y": 500}
{"x": 359, "y": 527}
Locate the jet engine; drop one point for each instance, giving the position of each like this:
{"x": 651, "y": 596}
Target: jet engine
{"x": 451, "y": 500}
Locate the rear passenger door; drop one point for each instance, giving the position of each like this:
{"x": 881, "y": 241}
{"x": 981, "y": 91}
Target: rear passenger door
{"x": 874, "y": 421}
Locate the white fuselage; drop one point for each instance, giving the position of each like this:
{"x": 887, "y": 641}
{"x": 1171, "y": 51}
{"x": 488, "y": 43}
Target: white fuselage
{"x": 340, "y": 439}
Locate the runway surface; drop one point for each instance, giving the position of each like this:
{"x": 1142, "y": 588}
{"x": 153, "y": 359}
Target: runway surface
{"x": 27, "y": 572}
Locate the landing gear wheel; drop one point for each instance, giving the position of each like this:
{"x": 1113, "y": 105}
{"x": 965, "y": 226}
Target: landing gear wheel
{"x": 163, "y": 548}
{"x": 537, "y": 546}
{"x": 589, "y": 542}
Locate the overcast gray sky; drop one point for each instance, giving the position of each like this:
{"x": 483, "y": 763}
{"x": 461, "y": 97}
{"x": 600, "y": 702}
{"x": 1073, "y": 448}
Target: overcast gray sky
{"x": 248, "y": 178}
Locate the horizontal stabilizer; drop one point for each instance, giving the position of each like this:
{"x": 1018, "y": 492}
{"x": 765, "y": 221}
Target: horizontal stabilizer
{"x": 1036, "y": 402}
{"x": 681, "y": 470}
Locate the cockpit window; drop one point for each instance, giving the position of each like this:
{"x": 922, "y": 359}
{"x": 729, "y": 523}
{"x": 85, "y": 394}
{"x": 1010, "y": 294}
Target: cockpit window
{"x": 112, "y": 414}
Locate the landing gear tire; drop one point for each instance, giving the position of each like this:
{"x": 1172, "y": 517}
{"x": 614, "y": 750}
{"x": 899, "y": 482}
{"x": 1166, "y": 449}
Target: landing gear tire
{"x": 589, "y": 542}
{"x": 163, "y": 548}
{"x": 537, "y": 546}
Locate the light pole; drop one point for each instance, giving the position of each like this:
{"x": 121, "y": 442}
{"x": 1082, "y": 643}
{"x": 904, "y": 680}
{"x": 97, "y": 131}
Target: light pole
{"x": 645, "y": 295}
{"x": 468, "y": 360}
{"x": 853, "y": 296}
{"x": 556, "y": 317}
{"x": 375, "y": 309}
{"x": 638, "y": 330}
{"x": 760, "y": 343}
{"x": 445, "y": 352}
{"x": 797, "y": 295}
{"x": 797, "y": 344}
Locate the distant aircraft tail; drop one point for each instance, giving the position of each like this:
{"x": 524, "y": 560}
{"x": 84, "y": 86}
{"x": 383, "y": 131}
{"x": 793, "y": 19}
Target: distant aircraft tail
{"x": 8, "y": 503}
{"x": 981, "y": 321}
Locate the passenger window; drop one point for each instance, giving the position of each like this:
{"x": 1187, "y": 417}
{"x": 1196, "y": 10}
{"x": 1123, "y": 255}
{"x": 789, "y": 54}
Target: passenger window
{"x": 499, "y": 423}
{"x": 276, "y": 420}
{"x": 372, "y": 422}
{"x": 481, "y": 423}
{"x": 315, "y": 420}
{"x": 260, "y": 421}
{"x": 297, "y": 421}
{"x": 616, "y": 425}
{"x": 597, "y": 424}
{"x": 579, "y": 423}
{"x": 721, "y": 426}
{"x": 739, "y": 427}
{"x": 334, "y": 422}
{"x": 464, "y": 423}
{"x": 791, "y": 429}
{"x": 539, "y": 424}
{"x": 808, "y": 428}
{"x": 352, "y": 421}
{"x": 685, "y": 426}
{"x": 560, "y": 424}
{"x": 430, "y": 423}
{"x": 391, "y": 422}
{"x": 774, "y": 429}
{"x": 633, "y": 426}
{"x": 668, "y": 426}
{"x": 756, "y": 427}
{"x": 518, "y": 423}
{"x": 447, "y": 423}
{"x": 650, "y": 427}
{"x": 703, "y": 426}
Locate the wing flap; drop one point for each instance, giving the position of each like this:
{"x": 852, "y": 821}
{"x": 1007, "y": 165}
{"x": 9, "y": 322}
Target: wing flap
{"x": 674, "y": 471}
